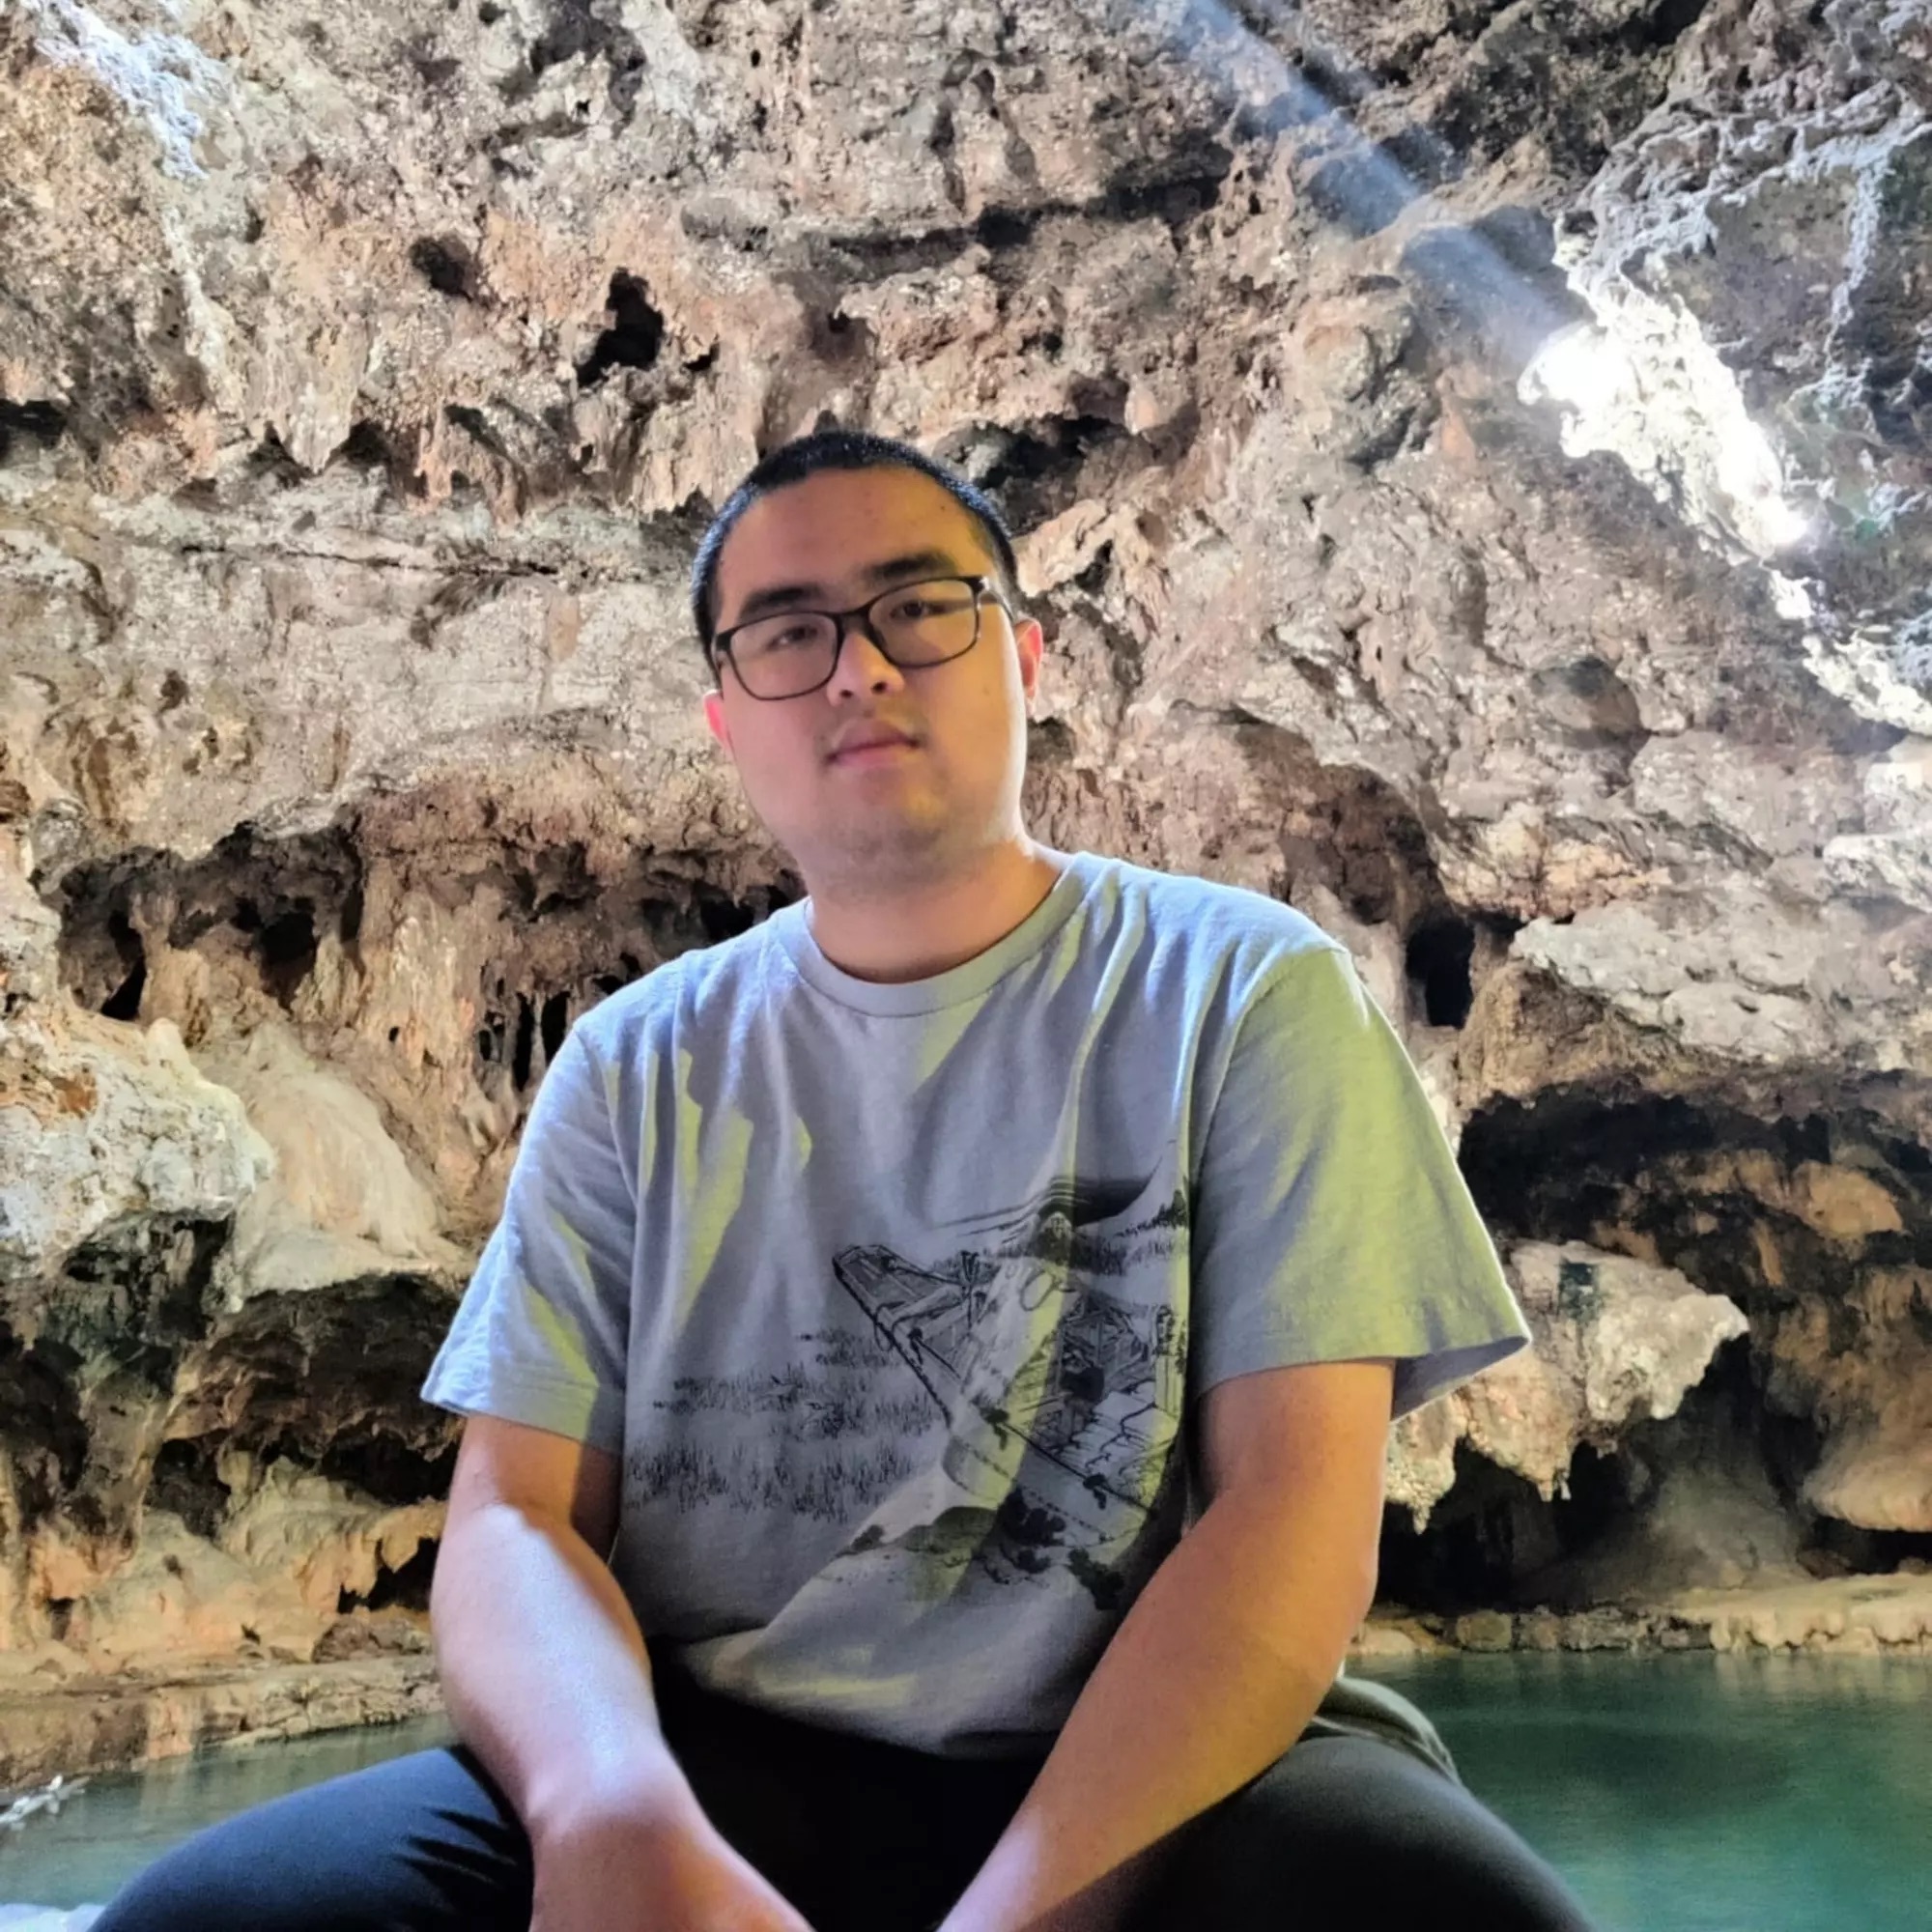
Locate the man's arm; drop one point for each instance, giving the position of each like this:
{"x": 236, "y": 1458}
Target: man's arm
{"x": 1222, "y": 1660}
{"x": 542, "y": 1662}
{"x": 546, "y": 1675}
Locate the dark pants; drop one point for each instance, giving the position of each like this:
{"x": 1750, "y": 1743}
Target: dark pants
{"x": 1343, "y": 1833}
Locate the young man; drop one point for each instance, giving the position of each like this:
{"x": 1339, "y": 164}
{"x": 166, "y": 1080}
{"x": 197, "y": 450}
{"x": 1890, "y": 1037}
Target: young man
{"x": 928, "y": 1390}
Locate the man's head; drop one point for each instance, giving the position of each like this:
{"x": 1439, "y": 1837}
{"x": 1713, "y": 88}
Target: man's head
{"x": 871, "y": 543}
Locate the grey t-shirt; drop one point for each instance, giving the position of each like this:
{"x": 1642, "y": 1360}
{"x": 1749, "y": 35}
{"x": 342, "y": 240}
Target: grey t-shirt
{"x": 894, "y": 1299}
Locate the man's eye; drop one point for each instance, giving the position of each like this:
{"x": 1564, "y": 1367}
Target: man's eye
{"x": 911, "y": 609}
{"x": 790, "y": 638}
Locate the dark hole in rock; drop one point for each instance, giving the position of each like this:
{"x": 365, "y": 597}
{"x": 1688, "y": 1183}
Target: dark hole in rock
{"x": 1049, "y": 742}
{"x": 523, "y": 1053}
{"x": 135, "y": 1297}
{"x": 554, "y": 1024}
{"x": 1059, "y": 445}
{"x": 590, "y": 28}
{"x": 1492, "y": 1530}
{"x": 42, "y": 425}
{"x": 184, "y": 1482}
{"x": 630, "y": 967}
{"x": 286, "y": 950}
{"x": 124, "y": 1002}
{"x": 271, "y": 461}
{"x": 41, "y": 1427}
{"x": 635, "y": 335}
{"x": 1839, "y": 1549}
{"x": 1591, "y": 701}
{"x": 60, "y": 1613}
{"x": 1438, "y": 959}
{"x": 1549, "y": 1170}
{"x": 1671, "y": 21}
{"x": 445, "y": 264}
{"x": 365, "y": 445}
{"x": 724, "y": 917}
{"x": 1189, "y": 188}
{"x": 477, "y": 425}
{"x": 387, "y": 1468}
{"x": 1002, "y": 228}
{"x": 407, "y": 1588}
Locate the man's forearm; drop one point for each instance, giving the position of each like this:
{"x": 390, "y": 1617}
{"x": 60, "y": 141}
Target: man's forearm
{"x": 1213, "y": 1674}
{"x": 544, "y": 1668}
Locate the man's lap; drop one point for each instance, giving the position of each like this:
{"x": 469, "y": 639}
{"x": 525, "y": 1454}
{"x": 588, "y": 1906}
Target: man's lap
{"x": 862, "y": 1839}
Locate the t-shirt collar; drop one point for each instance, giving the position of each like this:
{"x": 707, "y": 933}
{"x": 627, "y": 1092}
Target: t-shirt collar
{"x": 790, "y": 927}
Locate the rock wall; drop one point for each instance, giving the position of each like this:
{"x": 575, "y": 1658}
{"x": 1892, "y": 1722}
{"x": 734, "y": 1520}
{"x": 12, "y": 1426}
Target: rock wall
{"x": 1473, "y": 471}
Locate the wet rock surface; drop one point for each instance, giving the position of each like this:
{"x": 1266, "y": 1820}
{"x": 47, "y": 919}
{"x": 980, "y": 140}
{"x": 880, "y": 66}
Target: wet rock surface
{"x": 1473, "y": 472}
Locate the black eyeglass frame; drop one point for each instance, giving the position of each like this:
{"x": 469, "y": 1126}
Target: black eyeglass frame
{"x": 859, "y": 617}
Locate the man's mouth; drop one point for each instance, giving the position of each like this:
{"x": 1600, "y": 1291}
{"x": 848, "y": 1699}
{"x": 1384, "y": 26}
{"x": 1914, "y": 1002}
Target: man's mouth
{"x": 870, "y": 744}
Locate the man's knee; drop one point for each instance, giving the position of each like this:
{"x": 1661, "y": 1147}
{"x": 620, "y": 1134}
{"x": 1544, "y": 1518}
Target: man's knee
{"x": 1347, "y": 1831}
{"x": 423, "y": 1841}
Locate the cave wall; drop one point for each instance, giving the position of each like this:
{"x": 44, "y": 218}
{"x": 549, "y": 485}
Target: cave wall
{"x": 1472, "y": 467}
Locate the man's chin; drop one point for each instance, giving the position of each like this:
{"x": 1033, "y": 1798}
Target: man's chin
{"x": 888, "y": 845}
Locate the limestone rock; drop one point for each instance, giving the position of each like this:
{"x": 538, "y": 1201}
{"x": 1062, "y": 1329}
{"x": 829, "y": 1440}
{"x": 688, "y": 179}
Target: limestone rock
{"x": 343, "y": 1201}
{"x": 1615, "y": 1342}
{"x": 105, "y": 1724}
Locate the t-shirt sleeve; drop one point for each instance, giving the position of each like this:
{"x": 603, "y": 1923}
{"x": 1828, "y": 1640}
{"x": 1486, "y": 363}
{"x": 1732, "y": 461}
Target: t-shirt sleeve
{"x": 542, "y": 1334}
{"x": 1331, "y": 1222}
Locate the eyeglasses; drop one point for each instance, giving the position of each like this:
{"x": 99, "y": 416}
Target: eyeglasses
{"x": 913, "y": 626}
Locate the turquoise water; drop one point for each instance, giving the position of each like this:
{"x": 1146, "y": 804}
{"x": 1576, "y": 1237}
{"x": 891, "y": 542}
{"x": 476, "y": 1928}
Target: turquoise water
{"x": 120, "y": 1824}
{"x": 1677, "y": 1794}
{"x": 1705, "y": 1794}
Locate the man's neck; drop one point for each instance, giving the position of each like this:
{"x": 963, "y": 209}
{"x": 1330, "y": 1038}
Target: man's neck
{"x": 914, "y": 931}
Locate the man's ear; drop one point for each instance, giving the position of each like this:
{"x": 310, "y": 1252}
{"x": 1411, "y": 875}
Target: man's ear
{"x": 1030, "y": 642}
{"x": 714, "y": 718}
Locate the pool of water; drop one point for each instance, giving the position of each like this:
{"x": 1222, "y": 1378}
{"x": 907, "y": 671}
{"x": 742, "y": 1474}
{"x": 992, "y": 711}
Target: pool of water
{"x": 1677, "y": 1794}
{"x": 120, "y": 1824}
{"x": 1705, "y": 1794}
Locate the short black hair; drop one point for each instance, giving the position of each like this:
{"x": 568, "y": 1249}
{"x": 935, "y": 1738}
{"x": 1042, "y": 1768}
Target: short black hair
{"x": 838, "y": 449}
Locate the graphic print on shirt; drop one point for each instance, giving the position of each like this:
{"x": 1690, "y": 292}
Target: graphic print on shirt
{"x": 1062, "y": 1394}
{"x": 1035, "y": 1430}
{"x": 1023, "y": 1336}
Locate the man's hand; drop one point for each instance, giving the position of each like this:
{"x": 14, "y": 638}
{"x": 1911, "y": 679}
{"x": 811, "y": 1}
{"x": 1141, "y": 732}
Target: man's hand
{"x": 611, "y": 1868}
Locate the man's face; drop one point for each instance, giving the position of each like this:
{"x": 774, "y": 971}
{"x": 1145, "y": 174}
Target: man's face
{"x": 895, "y": 813}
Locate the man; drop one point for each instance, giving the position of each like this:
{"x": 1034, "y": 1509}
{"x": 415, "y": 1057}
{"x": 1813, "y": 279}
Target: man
{"x": 879, "y": 1298}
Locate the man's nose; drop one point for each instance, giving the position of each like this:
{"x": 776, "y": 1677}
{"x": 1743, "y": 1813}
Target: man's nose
{"x": 861, "y": 664}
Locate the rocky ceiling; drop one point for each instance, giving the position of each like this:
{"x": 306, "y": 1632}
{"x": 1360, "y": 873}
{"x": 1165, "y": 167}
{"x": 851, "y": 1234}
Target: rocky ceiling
{"x": 1473, "y": 471}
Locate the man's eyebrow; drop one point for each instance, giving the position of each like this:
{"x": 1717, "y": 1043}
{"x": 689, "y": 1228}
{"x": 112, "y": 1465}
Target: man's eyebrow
{"x": 895, "y": 569}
